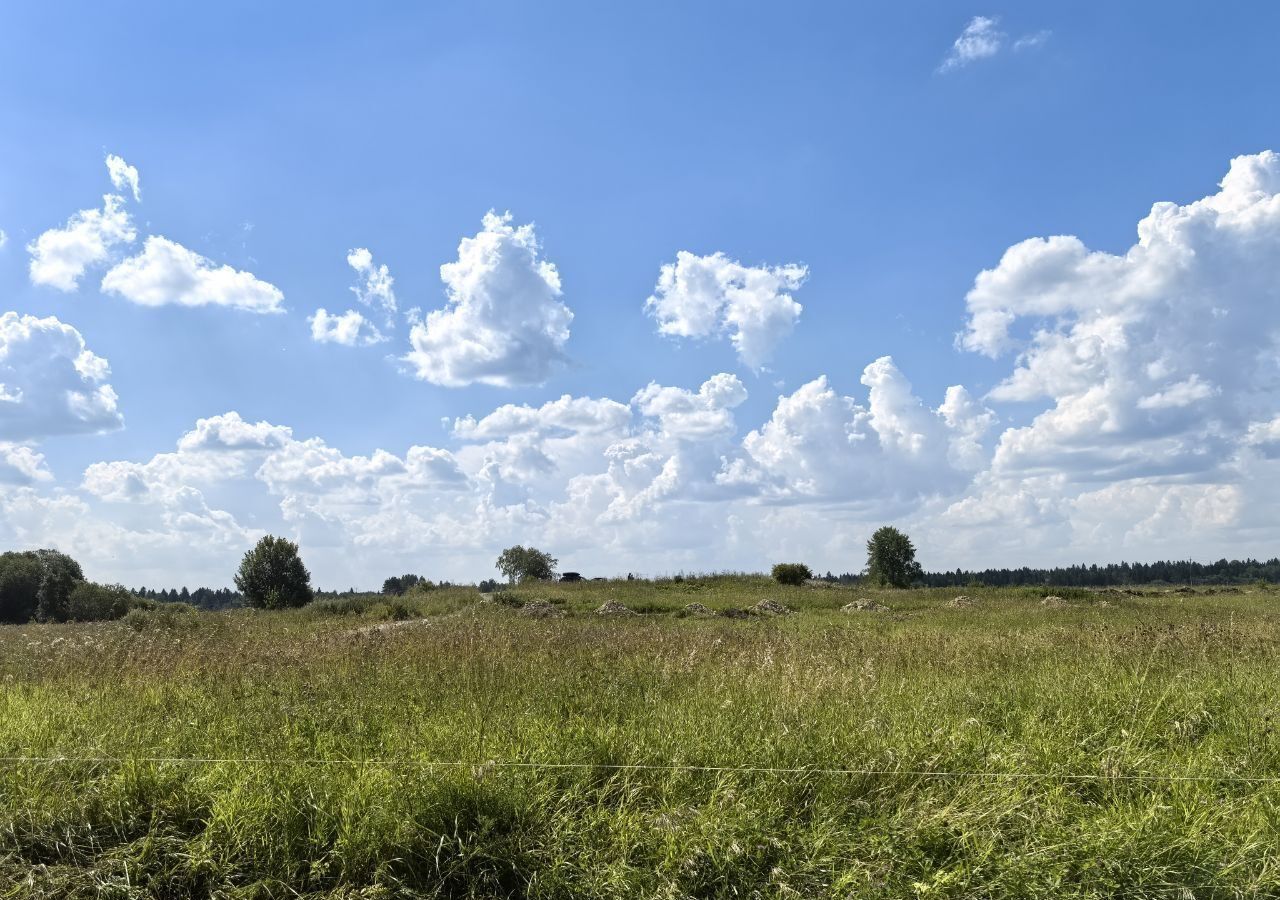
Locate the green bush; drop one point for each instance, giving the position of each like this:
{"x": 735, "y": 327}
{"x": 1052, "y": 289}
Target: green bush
{"x": 162, "y": 616}
{"x": 345, "y": 605}
{"x": 791, "y": 573}
{"x": 90, "y": 602}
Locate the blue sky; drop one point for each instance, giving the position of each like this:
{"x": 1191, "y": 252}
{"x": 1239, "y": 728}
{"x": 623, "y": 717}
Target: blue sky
{"x": 826, "y": 136}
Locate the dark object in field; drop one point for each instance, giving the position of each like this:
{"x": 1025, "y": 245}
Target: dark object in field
{"x": 864, "y": 605}
{"x": 768, "y": 607}
{"x": 572, "y": 576}
{"x": 614, "y": 608}
{"x": 734, "y": 613}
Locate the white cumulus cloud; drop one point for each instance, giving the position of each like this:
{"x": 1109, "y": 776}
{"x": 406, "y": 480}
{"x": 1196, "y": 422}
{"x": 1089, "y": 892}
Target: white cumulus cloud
{"x": 166, "y": 272}
{"x": 504, "y": 323}
{"x": 1153, "y": 362}
{"x": 21, "y": 464}
{"x": 706, "y": 296}
{"x": 350, "y": 328}
{"x": 50, "y": 382}
{"x": 60, "y": 256}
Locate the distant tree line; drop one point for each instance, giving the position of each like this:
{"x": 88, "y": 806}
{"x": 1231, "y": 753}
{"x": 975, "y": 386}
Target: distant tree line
{"x": 1224, "y": 571}
{"x": 202, "y": 597}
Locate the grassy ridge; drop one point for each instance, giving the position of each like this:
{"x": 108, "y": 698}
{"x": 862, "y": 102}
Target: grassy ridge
{"x": 341, "y": 719}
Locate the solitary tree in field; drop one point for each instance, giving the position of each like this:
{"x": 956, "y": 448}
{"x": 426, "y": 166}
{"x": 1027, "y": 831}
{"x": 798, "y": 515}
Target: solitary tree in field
{"x": 891, "y": 558}
{"x": 272, "y": 576}
{"x": 526, "y": 564}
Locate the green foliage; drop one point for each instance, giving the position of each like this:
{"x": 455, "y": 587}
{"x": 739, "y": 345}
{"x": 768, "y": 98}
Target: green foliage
{"x": 272, "y": 576}
{"x": 59, "y": 576}
{"x": 20, "y": 575}
{"x": 397, "y": 585}
{"x": 37, "y": 584}
{"x": 518, "y": 564}
{"x": 345, "y": 605}
{"x": 891, "y": 559}
{"x": 791, "y": 573}
{"x": 174, "y": 616}
{"x": 90, "y": 602}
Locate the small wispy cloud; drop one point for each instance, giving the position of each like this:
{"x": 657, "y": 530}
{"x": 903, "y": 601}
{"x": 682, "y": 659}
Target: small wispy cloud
{"x": 982, "y": 39}
{"x": 1031, "y": 41}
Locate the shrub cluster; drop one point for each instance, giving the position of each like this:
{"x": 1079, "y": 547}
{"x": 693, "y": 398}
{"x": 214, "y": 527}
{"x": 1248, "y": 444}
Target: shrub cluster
{"x": 791, "y": 573}
{"x": 49, "y": 586}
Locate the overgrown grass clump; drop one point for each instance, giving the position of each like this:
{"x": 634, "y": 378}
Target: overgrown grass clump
{"x": 1007, "y": 749}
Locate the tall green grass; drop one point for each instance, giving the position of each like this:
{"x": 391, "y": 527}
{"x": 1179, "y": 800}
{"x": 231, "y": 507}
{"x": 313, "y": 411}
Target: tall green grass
{"x": 319, "y": 739}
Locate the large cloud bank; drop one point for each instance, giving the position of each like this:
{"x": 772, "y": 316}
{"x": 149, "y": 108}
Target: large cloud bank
{"x": 1136, "y": 411}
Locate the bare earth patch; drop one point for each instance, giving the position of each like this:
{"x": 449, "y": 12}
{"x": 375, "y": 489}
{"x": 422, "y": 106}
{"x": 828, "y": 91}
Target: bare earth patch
{"x": 962, "y": 602}
{"x": 864, "y": 605}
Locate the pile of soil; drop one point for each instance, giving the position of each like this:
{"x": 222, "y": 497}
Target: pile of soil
{"x": 540, "y": 609}
{"x": 1054, "y": 602}
{"x": 614, "y": 608}
{"x": 769, "y": 608}
{"x": 962, "y": 602}
{"x": 697, "y": 610}
{"x": 864, "y": 605}
{"x": 734, "y": 613}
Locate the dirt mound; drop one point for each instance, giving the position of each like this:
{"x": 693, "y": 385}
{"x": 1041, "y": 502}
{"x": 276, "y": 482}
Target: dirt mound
{"x": 697, "y": 610}
{"x": 864, "y": 605}
{"x": 1054, "y": 602}
{"x": 768, "y": 607}
{"x": 614, "y": 608}
{"x": 540, "y": 609}
{"x": 963, "y": 602}
{"x": 734, "y": 613}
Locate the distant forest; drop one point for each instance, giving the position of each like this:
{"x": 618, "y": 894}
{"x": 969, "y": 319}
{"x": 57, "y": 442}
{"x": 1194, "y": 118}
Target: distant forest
{"x": 1224, "y": 571}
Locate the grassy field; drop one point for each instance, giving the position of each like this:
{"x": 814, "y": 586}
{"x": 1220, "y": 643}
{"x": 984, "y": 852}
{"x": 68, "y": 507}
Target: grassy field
{"x": 299, "y": 754}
